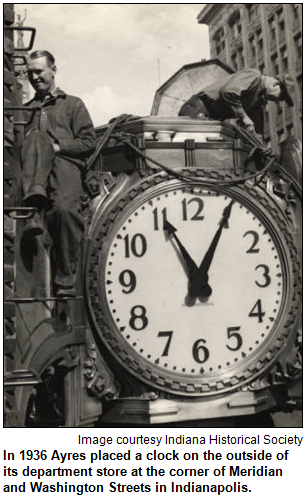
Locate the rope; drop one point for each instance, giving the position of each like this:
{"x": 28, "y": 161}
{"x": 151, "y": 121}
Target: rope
{"x": 102, "y": 143}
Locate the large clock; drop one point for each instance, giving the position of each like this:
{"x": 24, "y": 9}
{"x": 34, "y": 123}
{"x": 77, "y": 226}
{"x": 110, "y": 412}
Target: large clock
{"x": 192, "y": 286}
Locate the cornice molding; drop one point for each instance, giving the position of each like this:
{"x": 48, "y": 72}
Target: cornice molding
{"x": 209, "y": 12}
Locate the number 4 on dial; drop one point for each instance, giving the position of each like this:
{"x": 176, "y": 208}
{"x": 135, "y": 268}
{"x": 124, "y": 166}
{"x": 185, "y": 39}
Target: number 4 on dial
{"x": 259, "y": 314}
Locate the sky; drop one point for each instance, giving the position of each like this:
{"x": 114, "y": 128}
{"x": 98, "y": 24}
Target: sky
{"x": 109, "y": 55}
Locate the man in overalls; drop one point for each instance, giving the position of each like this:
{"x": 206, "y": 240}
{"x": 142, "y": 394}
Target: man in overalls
{"x": 58, "y": 139}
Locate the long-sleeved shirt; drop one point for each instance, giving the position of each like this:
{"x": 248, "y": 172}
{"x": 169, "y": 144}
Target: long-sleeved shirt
{"x": 242, "y": 91}
{"x": 66, "y": 120}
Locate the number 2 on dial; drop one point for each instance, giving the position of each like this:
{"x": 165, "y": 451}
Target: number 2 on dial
{"x": 252, "y": 249}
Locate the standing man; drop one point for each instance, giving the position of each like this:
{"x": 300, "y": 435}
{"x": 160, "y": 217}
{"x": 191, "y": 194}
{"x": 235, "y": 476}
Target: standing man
{"x": 58, "y": 138}
{"x": 242, "y": 95}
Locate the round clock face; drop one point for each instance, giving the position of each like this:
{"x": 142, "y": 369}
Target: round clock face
{"x": 192, "y": 281}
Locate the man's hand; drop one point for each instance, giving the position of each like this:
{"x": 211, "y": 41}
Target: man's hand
{"x": 124, "y": 118}
{"x": 56, "y": 148}
{"x": 247, "y": 123}
{"x": 200, "y": 115}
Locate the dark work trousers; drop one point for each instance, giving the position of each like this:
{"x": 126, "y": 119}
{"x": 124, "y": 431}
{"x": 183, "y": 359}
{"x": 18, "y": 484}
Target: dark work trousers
{"x": 37, "y": 158}
{"x": 62, "y": 181}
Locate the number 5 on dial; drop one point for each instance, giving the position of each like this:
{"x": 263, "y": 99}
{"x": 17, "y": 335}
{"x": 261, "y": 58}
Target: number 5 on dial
{"x": 232, "y": 333}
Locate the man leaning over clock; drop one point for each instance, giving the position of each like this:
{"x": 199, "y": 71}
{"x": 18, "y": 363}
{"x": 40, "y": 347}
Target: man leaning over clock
{"x": 58, "y": 138}
{"x": 242, "y": 95}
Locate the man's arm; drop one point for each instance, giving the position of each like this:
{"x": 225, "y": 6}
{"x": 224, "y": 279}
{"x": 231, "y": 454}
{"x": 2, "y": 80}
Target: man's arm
{"x": 194, "y": 107}
{"x": 233, "y": 91}
{"x": 84, "y": 141}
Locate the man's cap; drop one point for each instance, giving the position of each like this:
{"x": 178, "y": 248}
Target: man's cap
{"x": 287, "y": 87}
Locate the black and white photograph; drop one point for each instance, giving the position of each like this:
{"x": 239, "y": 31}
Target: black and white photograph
{"x": 152, "y": 182}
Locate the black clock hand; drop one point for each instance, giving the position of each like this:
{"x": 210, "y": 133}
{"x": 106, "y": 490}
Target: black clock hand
{"x": 191, "y": 265}
{"x": 199, "y": 283}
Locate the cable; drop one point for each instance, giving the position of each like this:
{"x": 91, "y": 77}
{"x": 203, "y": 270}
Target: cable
{"x": 248, "y": 137}
{"x": 254, "y": 140}
{"x": 189, "y": 179}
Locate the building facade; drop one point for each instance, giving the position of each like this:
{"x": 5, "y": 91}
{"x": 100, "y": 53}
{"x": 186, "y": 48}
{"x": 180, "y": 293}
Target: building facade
{"x": 20, "y": 55}
{"x": 267, "y": 37}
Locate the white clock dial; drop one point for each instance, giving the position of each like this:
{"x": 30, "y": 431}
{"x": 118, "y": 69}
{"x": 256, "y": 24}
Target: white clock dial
{"x": 161, "y": 311}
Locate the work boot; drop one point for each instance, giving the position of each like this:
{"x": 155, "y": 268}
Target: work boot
{"x": 36, "y": 196}
{"x": 33, "y": 226}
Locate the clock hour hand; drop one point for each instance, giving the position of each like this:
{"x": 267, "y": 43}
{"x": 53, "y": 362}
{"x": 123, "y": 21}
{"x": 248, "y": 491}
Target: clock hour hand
{"x": 190, "y": 264}
{"x": 199, "y": 282}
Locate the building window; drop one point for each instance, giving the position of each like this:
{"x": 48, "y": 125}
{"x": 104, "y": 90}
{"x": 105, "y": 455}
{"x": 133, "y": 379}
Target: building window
{"x": 219, "y": 40}
{"x": 259, "y": 42}
{"x": 289, "y": 129}
{"x": 275, "y": 65}
{"x": 298, "y": 45}
{"x": 295, "y": 10}
{"x": 234, "y": 60}
{"x": 281, "y": 22}
{"x": 240, "y": 58}
{"x": 235, "y": 24}
{"x": 272, "y": 29}
{"x": 268, "y": 142}
{"x": 251, "y": 12}
{"x": 261, "y": 68}
{"x": 284, "y": 58}
{"x": 299, "y": 80}
{"x": 280, "y": 136}
{"x": 252, "y": 49}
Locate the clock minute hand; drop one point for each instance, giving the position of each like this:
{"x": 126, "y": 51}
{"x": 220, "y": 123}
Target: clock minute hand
{"x": 199, "y": 283}
{"x": 191, "y": 265}
{"x": 222, "y": 224}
